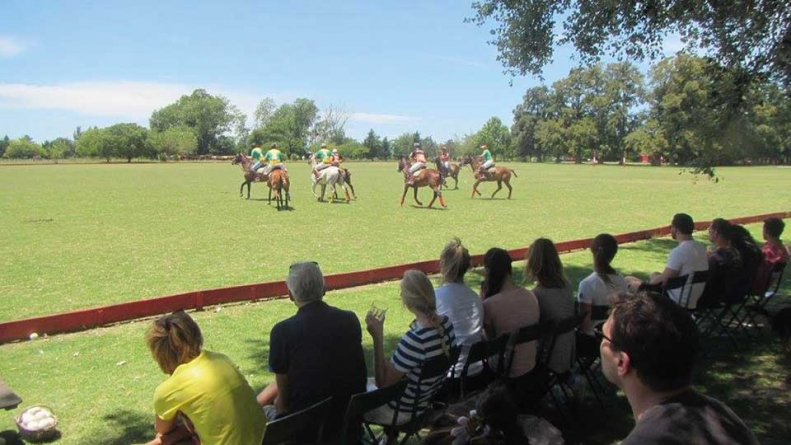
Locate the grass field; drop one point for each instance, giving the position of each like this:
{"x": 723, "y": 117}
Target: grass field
{"x": 78, "y": 236}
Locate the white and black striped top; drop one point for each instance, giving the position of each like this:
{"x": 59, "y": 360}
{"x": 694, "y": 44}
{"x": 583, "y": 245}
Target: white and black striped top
{"x": 416, "y": 346}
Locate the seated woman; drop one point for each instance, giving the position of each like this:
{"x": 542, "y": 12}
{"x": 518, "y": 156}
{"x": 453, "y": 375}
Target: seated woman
{"x": 458, "y": 302}
{"x": 555, "y": 298}
{"x": 429, "y": 336}
{"x": 725, "y": 266}
{"x": 508, "y": 307}
{"x": 204, "y": 387}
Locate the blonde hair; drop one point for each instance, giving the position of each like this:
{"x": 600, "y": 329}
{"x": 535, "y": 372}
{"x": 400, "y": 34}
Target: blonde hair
{"x": 174, "y": 339}
{"x": 454, "y": 261}
{"x": 417, "y": 293}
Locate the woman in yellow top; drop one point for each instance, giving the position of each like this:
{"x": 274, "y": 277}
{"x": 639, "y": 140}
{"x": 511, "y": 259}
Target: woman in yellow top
{"x": 203, "y": 386}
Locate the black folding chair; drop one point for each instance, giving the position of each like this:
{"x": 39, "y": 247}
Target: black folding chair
{"x": 433, "y": 368}
{"x": 588, "y": 360}
{"x": 679, "y": 284}
{"x": 360, "y": 404}
{"x": 758, "y": 302}
{"x": 482, "y": 352}
{"x": 560, "y": 379}
{"x": 286, "y": 429}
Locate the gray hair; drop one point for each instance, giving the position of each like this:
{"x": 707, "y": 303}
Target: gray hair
{"x": 305, "y": 282}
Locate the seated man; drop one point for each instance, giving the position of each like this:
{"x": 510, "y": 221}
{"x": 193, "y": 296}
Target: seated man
{"x": 688, "y": 257}
{"x": 774, "y": 250}
{"x": 418, "y": 157}
{"x": 488, "y": 161}
{"x": 274, "y": 160}
{"x": 648, "y": 349}
{"x": 315, "y": 354}
{"x": 323, "y": 159}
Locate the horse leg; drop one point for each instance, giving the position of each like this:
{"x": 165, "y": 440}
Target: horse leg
{"x": 510, "y": 189}
{"x": 269, "y": 203}
{"x": 456, "y": 179}
{"x": 346, "y": 191}
{"x": 414, "y": 187}
{"x": 406, "y": 188}
{"x": 499, "y": 187}
{"x": 241, "y": 189}
{"x": 475, "y": 188}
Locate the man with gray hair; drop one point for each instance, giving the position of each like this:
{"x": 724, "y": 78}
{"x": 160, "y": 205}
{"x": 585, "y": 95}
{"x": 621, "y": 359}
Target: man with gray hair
{"x": 314, "y": 354}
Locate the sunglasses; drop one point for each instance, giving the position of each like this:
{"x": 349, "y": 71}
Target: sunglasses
{"x": 599, "y": 333}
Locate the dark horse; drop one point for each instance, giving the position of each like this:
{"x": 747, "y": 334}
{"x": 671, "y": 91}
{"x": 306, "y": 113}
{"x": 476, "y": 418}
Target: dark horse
{"x": 453, "y": 172}
{"x": 249, "y": 175}
{"x": 427, "y": 177}
{"x": 500, "y": 174}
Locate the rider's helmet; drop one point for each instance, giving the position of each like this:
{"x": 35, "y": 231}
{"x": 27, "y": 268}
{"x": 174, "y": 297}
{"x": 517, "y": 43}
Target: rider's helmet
{"x": 484, "y": 147}
{"x": 335, "y": 151}
{"x": 323, "y": 145}
{"x": 274, "y": 145}
{"x": 444, "y": 147}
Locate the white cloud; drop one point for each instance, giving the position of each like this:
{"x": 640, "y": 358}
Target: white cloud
{"x": 127, "y": 99}
{"x": 9, "y": 47}
{"x": 381, "y": 119}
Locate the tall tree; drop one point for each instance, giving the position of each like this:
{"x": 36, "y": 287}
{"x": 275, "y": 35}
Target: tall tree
{"x": 23, "y": 148}
{"x": 208, "y": 116}
{"x": 263, "y": 112}
{"x": 330, "y": 126}
{"x": 497, "y": 136}
{"x": 289, "y": 126}
{"x": 374, "y": 144}
{"x": 92, "y": 143}
{"x": 4, "y": 145}
{"x": 535, "y": 107}
{"x": 175, "y": 142}
{"x": 127, "y": 141}
{"x": 60, "y": 148}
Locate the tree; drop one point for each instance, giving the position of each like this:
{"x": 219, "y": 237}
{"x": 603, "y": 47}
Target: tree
{"x": 497, "y": 136}
{"x": 387, "y": 148}
{"x": 208, "y": 116}
{"x": 127, "y": 141}
{"x": 92, "y": 143}
{"x": 4, "y": 145}
{"x": 60, "y": 148}
{"x": 402, "y": 145}
{"x": 289, "y": 126}
{"x": 374, "y": 145}
{"x": 23, "y": 148}
{"x": 330, "y": 126}
{"x": 535, "y": 107}
{"x": 751, "y": 36}
{"x": 263, "y": 112}
{"x": 175, "y": 142}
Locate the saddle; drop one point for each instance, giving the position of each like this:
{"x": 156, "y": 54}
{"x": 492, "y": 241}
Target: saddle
{"x": 417, "y": 172}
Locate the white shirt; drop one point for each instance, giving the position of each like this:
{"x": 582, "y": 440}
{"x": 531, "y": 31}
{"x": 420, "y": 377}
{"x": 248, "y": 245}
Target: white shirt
{"x": 594, "y": 291}
{"x": 464, "y": 308}
{"x": 688, "y": 257}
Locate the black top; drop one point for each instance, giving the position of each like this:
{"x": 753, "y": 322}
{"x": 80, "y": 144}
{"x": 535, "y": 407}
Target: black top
{"x": 320, "y": 349}
{"x": 690, "y": 418}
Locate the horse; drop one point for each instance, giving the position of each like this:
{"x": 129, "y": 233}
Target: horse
{"x": 426, "y": 177}
{"x": 250, "y": 176}
{"x": 501, "y": 175}
{"x": 327, "y": 177}
{"x": 453, "y": 172}
{"x": 279, "y": 185}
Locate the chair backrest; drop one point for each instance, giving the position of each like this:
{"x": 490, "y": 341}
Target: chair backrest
{"x": 678, "y": 284}
{"x": 559, "y": 328}
{"x": 698, "y": 277}
{"x": 600, "y": 312}
{"x": 433, "y": 368}
{"x": 286, "y": 428}
{"x": 363, "y": 402}
{"x": 775, "y": 279}
{"x": 525, "y": 334}
{"x": 482, "y": 351}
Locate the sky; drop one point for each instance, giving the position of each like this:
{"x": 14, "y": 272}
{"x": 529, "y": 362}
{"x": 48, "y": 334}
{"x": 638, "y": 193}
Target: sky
{"x": 394, "y": 66}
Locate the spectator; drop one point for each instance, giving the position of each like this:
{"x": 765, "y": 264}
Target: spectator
{"x": 429, "y": 336}
{"x": 458, "y": 302}
{"x": 314, "y": 354}
{"x": 751, "y": 254}
{"x": 555, "y": 298}
{"x": 688, "y": 257}
{"x": 508, "y": 307}
{"x": 774, "y": 250}
{"x": 598, "y": 288}
{"x": 648, "y": 349}
{"x": 725, "y": 267}
{"x": 204, "y": 390}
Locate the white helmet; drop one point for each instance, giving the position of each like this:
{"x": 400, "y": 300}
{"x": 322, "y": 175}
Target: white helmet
{"x": 334, "y": 150}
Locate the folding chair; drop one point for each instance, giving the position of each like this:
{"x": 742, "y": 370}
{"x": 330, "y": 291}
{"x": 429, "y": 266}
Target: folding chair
{"x": 482, "y": 352}
{"x": 587, "y": 362}
{"x": 539, "y": 373}
{"x": 560, "y": 379}
{"x": 678, "y": 283}
{"x": 759, "y": 301}
{"x": 287, "y": 428}
{"x": 360, "y": 404}
{"x": 433, "y": 368}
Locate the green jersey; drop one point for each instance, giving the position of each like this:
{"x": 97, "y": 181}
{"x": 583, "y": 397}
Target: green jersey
{"x": 256, "y": 153}
{"x": 274, "y": 156}
{"x": 487, "y": 155}
{"x": 323, "y": 156}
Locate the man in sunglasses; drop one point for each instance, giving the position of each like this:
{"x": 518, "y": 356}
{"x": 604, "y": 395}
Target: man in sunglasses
{"x": 648, "y": 349}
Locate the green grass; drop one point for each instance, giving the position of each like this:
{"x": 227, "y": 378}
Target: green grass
{"x": 100, "y": 383}
{"x": 79, "y": 236}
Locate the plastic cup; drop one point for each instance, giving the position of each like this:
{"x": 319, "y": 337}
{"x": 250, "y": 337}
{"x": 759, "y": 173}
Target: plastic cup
{"x": 378, "y": 310}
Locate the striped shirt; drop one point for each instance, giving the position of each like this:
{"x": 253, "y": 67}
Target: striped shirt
{"x": 416, "y": 346}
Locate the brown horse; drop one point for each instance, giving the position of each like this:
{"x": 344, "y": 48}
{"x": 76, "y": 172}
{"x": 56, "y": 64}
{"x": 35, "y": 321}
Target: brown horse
{"x": 500, "y": 174}
{"x": 279, "y": 185}
{"x": 452, "y": 173}
{"x": 427, "y": 177}
{"x": 249, "y": 175}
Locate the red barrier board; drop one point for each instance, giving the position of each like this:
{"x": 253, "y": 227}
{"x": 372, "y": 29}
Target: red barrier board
{"x": 95, "y": 317}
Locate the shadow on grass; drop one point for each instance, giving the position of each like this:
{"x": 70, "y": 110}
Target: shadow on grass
{"x": 123, "y": 427}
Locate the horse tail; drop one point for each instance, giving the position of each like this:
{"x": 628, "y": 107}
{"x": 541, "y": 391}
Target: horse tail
{"x": 513, "y": 173}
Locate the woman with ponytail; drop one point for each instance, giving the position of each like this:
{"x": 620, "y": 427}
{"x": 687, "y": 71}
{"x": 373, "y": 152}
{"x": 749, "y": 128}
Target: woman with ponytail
{"x": 429, "y": 336}
{"x": 508, "y": 307}
{"x": 204, "y": 389}
{"x": 458, "y": 302}
{"x": 555, "y": 298}
{"x": 600, "y": 286}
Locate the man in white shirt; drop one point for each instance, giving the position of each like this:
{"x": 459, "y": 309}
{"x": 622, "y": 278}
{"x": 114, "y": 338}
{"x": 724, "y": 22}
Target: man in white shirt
{"x": 688, "y": 257}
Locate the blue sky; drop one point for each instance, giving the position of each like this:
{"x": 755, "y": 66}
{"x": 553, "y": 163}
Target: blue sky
{"x": 396, "y": 66}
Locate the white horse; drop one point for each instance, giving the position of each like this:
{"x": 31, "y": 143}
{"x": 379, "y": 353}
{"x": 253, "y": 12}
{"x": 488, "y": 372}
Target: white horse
{"x": 329, "y": 176}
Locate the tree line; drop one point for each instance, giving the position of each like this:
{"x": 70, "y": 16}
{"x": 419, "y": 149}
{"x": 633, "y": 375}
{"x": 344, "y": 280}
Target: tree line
{"x": 604, "y": 112}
